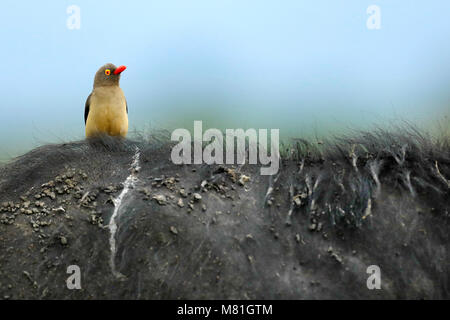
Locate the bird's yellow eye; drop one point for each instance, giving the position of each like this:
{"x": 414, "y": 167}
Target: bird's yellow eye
{"x": 107, "y": 72}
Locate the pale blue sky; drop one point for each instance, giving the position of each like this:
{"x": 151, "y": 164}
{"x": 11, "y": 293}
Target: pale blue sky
{"x": 294, "y": 65}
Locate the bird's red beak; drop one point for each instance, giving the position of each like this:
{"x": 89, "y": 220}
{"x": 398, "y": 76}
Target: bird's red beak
{"x": 119, "y": 69}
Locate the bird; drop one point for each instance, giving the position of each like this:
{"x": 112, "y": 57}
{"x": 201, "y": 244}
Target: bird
{"x": 106, "y": 109}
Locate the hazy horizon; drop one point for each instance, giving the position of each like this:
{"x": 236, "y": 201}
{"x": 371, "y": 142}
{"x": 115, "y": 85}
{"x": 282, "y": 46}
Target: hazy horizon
{"x": 303, "y": 67}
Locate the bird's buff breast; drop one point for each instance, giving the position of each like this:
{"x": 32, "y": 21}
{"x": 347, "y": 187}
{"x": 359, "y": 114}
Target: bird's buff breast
{"x": 107, "y": 113}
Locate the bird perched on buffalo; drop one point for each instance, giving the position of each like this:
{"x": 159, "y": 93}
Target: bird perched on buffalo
{"x": 106, "y": 109}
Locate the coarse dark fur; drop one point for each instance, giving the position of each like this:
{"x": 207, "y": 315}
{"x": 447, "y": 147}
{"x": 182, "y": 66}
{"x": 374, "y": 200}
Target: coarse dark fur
{"x": 310, "y": 232}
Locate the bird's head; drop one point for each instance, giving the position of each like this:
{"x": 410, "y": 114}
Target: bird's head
{"x": 108, "y": 75}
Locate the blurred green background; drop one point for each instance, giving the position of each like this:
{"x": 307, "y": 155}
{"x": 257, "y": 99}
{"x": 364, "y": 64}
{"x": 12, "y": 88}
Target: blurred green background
{"x": 306, "y": 67}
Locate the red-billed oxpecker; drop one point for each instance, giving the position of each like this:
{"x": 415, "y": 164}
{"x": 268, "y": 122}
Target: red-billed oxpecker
{"x": 106, "y": 109}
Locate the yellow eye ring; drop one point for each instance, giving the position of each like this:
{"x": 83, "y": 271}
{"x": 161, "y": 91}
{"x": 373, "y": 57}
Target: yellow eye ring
{"x": 107, "y": 72}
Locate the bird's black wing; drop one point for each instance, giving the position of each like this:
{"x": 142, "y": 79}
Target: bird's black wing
{"x": 126, "y": 104}
{"x": 86, "y": 107}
